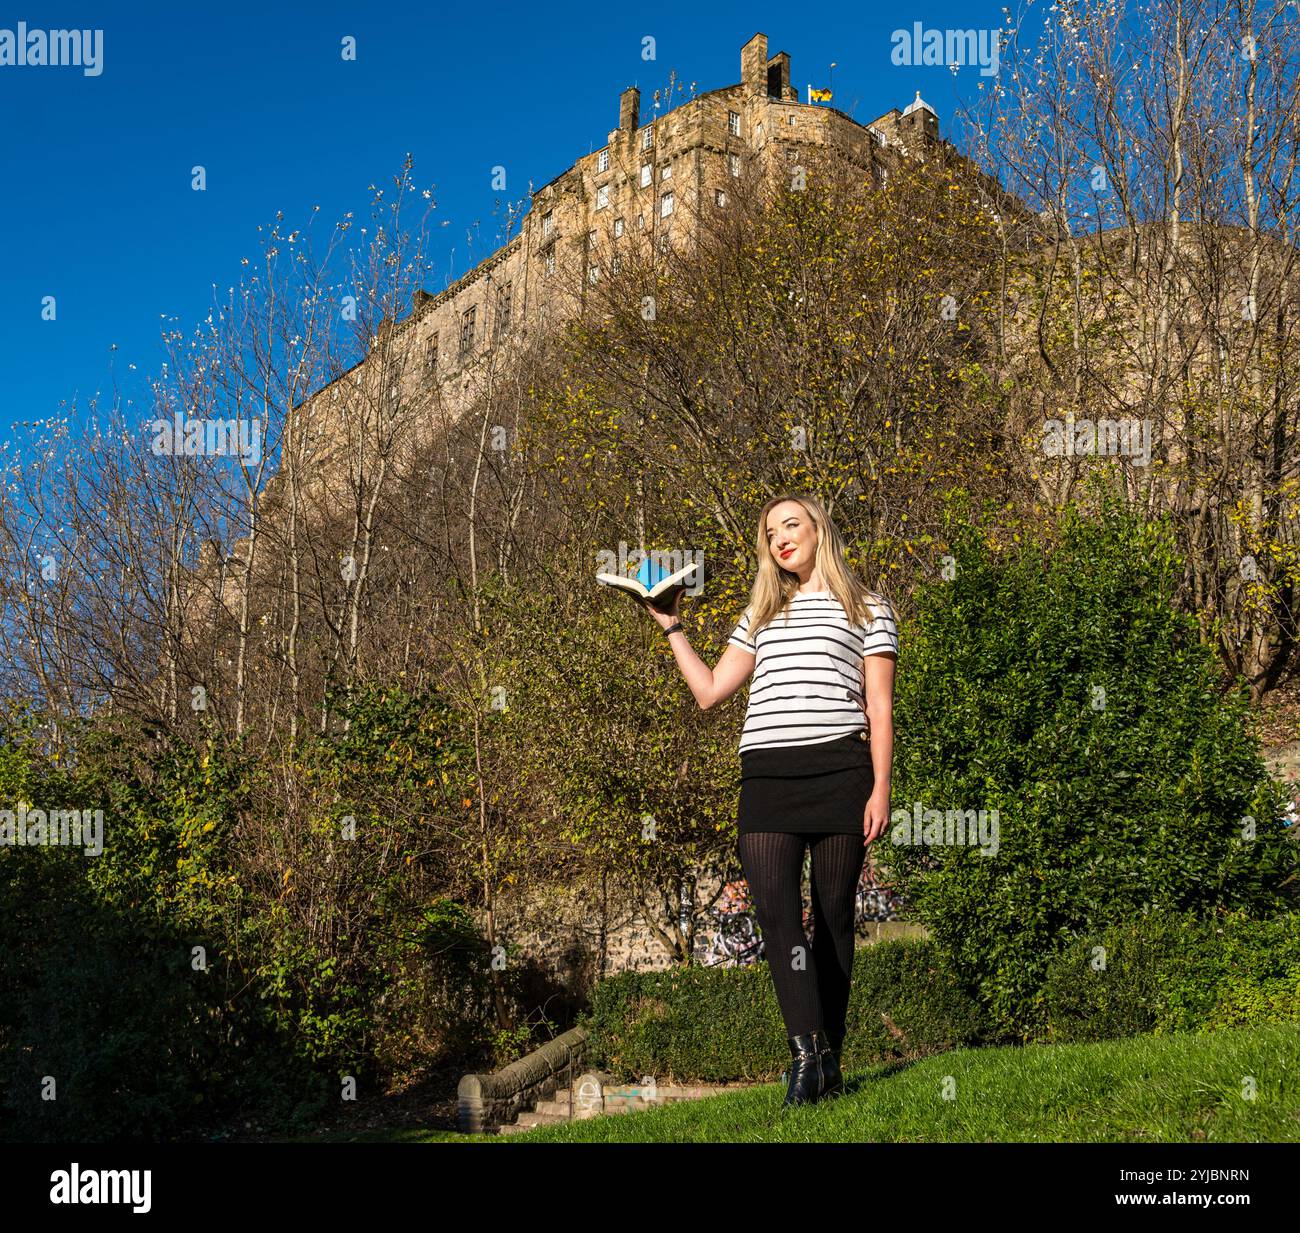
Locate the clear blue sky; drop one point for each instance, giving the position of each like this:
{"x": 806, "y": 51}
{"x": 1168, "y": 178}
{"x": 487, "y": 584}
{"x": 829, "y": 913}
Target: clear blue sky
{"x": 97, "y": 208}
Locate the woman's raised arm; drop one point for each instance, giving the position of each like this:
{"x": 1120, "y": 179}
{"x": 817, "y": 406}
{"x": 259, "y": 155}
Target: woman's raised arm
{"x": 710, "y": 686}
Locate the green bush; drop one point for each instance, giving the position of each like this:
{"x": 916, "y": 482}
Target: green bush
{"x": 106, "y": 1014}
{"x": 1175, "y": 972}
{"x": 1061, "y": 692}
{"x": 712, "y": 1024}
{"x": 101, "y": 1003}
{"x": 357, "y": 973}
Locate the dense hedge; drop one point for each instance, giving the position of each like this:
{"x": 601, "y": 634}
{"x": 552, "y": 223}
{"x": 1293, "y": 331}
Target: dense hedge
{"x": 1163, "y": 972}
{"x": 719, "y": 1024}
{"x": 1175, "y": 972}
{"x": 1054, "y": 686}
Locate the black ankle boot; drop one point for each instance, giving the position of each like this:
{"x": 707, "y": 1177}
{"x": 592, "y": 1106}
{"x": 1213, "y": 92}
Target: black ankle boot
{"x": 834, "y": 1076}
{"x": 810, "y": 1062}
{"x": 836, "y": 1042}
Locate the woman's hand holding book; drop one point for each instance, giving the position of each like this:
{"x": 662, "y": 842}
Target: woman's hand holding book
{"x": 664, "y": 619}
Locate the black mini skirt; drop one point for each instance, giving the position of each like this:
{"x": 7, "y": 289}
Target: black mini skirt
{"x": 807, "y": 789}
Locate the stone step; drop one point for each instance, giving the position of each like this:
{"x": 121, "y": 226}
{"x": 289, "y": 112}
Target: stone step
{"x": 667, "y": 1091}
{"x": 535, "y": 1117}
{"x": 663, "y": 1093}
{"x": 628, "y": 1098}
{"x": 612, "y": 1104}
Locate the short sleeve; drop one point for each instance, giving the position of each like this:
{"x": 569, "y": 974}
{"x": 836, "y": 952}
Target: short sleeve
{"x": 740, "y": 636}
{"x": 880, "y": 637}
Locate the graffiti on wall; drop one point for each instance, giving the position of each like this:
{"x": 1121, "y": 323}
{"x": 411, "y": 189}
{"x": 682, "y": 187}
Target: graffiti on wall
{"x": 732, "y": 935}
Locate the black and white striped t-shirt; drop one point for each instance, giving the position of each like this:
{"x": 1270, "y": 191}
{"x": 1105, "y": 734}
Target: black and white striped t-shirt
{"x": 808, "y": 679}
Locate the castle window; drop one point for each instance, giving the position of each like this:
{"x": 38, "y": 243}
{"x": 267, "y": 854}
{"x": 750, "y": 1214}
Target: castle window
{"x": 602, "y": 196}
{"x": 467, "y": 331}
{"x": 667, "y": 172}
{"x": 665, "y": 205}
{"x": 503, "y": 310}
{"x": 618, "y": 228}
{"x": 602, "y": 163}
{"x": 548, "y": 222}
{"x": 550, "y": 259}
{"x": 640, "y": 222}
{"x": 733, "y": 164}
{"x": 646, "y": 134}
{"x": 431, "y": 354}
{"x": 591, "y": 239}
{"x": 719, "y": 197}
{"x": 614, "y": 265}
{"x": 646, "y": 173}
{"x": 593, "y": 273}
{"x": 733, "y": 123}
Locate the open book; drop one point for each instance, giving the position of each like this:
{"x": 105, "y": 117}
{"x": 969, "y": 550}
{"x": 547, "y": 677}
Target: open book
{"x": 652, "y": 584}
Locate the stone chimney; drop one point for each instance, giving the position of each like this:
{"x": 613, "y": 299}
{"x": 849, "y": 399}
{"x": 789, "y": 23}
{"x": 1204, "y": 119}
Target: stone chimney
{"x": 753, "y": 64}
{"x": 778, "y": 75}
{"x": 629, "y": 110}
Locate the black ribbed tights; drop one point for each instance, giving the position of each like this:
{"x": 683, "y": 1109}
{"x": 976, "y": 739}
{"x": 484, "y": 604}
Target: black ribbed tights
{"x": 811, "y": 994}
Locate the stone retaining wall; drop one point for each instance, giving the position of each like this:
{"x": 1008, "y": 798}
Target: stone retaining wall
{"x": 582, "y": 933}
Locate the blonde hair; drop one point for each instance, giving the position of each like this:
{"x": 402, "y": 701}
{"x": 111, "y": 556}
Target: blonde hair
{"x": 774, "y": 586}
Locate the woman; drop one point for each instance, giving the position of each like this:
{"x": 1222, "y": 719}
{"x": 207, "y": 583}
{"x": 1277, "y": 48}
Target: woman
{"x": 816, "y": 756}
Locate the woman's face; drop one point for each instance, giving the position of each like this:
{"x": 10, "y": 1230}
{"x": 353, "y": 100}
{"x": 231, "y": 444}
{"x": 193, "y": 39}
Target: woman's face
{"x": 792, "y": 537}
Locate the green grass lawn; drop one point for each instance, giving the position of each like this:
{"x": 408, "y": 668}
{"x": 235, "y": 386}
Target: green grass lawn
{"x": 1172, "y": 1089}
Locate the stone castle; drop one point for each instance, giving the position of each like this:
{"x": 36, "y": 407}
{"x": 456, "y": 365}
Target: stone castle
{"x": 650, "y": 183}
{"x": 652, "y": 180}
